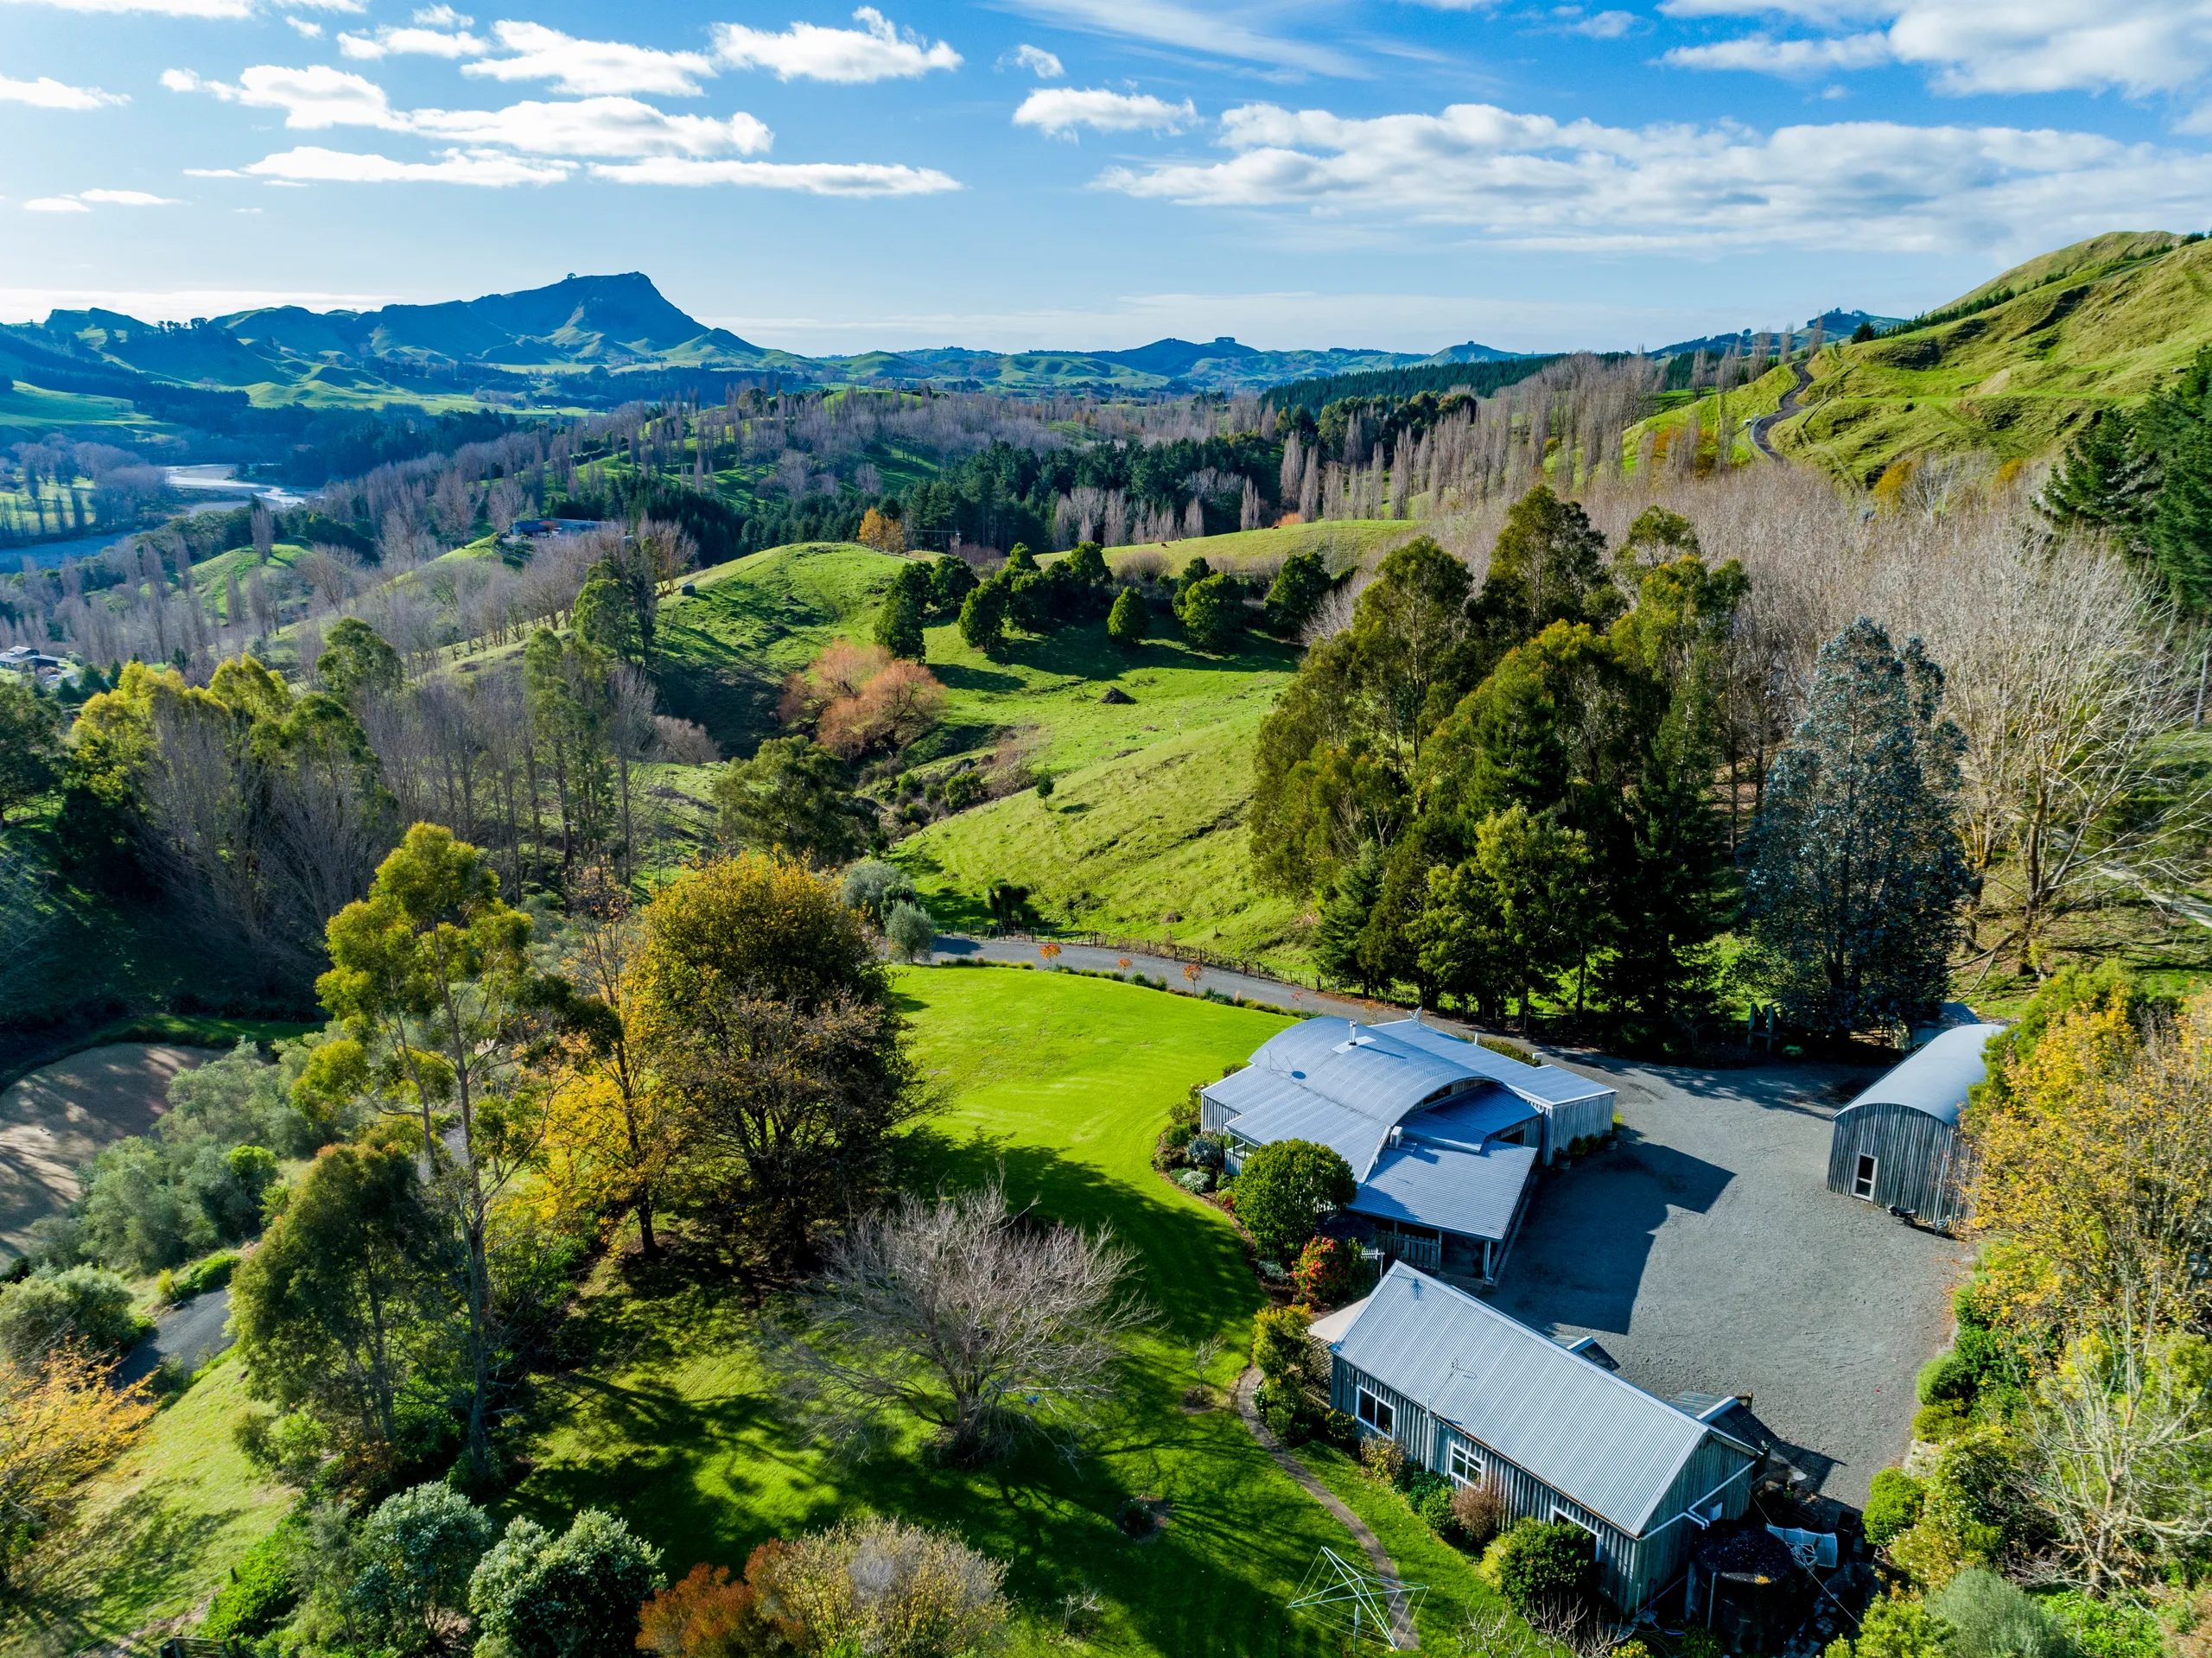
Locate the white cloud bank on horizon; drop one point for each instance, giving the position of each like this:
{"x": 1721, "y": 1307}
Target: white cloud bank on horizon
{"x": 1532, "y": 181}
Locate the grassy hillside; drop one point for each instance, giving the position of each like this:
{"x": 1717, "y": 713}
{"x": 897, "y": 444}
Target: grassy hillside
{"x": 1671, "y": 424}
{"x": 1343, "y": 544}
{"x": 2099, "y": 323}
{"x": 754, "y": 620}
{"x": 158, "y": 1535}
{"x": 1146, "y": 818}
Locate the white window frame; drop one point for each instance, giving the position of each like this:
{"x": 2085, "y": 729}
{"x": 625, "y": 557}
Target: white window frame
{"x": 1370, "y": 1405}
{"x": 1462, "y": 1466}
{"x": 1867, "y": 1173}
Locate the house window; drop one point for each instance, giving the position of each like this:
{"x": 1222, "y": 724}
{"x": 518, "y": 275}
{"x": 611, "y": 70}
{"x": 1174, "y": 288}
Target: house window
{"x": 1464, "y": 1465}
{"x": 1862, "y": 1183}
{"x": 1376, "y": 1413}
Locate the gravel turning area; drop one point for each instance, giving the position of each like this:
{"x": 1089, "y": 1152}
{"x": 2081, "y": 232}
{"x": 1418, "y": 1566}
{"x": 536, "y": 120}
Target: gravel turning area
{"x": 1705, "y": 1253}
{"x": 61, "y": 1116}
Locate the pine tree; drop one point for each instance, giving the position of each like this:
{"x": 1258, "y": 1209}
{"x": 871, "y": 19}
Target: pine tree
{"x": 1857, "y": 871}
{"x": 899, "y": 623}
{"x": 1129, "y": 620}
{"x": 1344, "y": 918}
{"x": 2180, "y": 530}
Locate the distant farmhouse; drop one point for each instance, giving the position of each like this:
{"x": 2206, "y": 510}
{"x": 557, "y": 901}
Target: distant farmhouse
{"x": 1480, "y": 1397}
{"x": 35, "y": 664}
{"x": 1443, "y": 1135}
{"x": 1899, "y": 1143}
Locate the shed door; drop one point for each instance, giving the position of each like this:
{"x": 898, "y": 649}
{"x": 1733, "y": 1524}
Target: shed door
{"x": 1862, "y": 1182}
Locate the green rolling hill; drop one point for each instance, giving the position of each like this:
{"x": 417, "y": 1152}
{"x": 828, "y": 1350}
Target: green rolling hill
{"x": 2013, "y": 367}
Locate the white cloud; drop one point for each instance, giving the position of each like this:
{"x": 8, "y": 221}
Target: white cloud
{"x": 597, "y": 126}
{"x": 1531, "y": 181}
{"x": 127, "y": 198}
{"x": 1605, "y": 26}
{"x": 2138, "y": 47}
{"x": 55, "y": 205}
{"x": 48, "y": 93}
{"x": 312, "y": 99}
{"x": 1790, "y": 58}
{"x": 206, "y": 9}
{"x": 1057, "y": 112}
{"x": 878, "y": 50}
{"x": 420, "y": 42}
{"x": 1163, "y": 22}
{"x": 590, "y": 67}
{"x": 309, "y": 164}
{"x": 441, "y": 17}
{"x": 810, "y": 178}
{"x": 1046, "y": 65}
{"x": 304, "y": 29}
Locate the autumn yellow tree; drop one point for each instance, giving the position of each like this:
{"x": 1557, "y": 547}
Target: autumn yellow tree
{"x": 61, "y": 1423}
{"x": 610, "y": 1136}
{"x": 883, "y": 532}
{"x": 2094, "y": 1169}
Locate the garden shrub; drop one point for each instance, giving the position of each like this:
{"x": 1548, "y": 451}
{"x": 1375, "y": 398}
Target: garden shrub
{"x": 1279, "y": 1346}
{"x": 1698, "y": 1642}
{"x": 1197, "y": 1182}
{"x": 261, "y": 1591}
{"x": 1938, "y": 1422}
{"x": 1894, "y": 1505}
{"x": 1206, "y": 1151}
{"x": 2105, "y": 1628}
{"x": 1338, "y": 1428}
{"x": 1480, "y": 1510}
{"x": 1992, "y": 1618}
{"x": 1632, "y": 1649}
{"x": 1134, "y": 1517}
{"x": 1899, "y": 1627}
{"x": 1435, "y": 1509}
{"x": 1546, "y": 1566}
{"x": 1945, "y": 1379}
{"x": 575, "y": 1596}
{"x": 1382, "y": 1458}
{"x": 1326, "y": 1273}
{"x": 1285, "y": 1188}
{"x": 418, "y": 1551}
{"x": 882, "y": 1586}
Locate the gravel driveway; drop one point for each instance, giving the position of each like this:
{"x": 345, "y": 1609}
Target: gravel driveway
{"x": 1705, "y": 1253}
{"x": 191, "y": 1334}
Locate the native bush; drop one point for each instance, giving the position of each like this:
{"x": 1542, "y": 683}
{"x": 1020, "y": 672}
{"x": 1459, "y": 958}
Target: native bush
{"x": 418, "y": 1550}
{"x": 1479, "y": 1511}
{"x": 1992, "y": 1618}
{"x": 1283, "y": 1190}
{"x": 82, "y": 1306}
{"x": 1896, "y": 1627}
{"x": 261, "y": 1590}
{"x": 575, "y": 1596}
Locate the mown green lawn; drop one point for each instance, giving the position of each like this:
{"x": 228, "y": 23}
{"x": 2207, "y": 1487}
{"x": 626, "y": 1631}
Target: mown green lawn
{"x": 1059, "y": 1082}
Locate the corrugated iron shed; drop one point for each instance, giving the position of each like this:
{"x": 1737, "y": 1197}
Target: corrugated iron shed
{"x": 1602, "y": 1442}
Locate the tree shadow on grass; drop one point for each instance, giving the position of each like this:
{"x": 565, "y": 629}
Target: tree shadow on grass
{"x": 1189, "y": 1260}
{"x": 131, "y": 1557}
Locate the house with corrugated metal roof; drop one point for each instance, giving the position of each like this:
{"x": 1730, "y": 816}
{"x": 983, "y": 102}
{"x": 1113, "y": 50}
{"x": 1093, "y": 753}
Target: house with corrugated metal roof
{"x": 1898, "y": 1145}
{"x": 1443, "y": 1135}
{"x": 1480, "y": 1397}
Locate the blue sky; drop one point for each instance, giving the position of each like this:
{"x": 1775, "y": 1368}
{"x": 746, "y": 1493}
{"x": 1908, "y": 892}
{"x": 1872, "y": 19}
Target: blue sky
{"x": 1094, "y": 173}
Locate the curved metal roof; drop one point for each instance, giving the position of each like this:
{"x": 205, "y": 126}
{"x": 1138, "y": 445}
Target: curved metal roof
{"x": 1934, "y": 1079}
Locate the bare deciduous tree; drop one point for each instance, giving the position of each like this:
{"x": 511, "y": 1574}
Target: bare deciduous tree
{"x": 971, "y": 1318}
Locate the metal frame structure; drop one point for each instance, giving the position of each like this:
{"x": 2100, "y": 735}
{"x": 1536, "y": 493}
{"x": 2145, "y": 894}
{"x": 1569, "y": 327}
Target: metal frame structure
{"x": 1358, "y": 1604}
